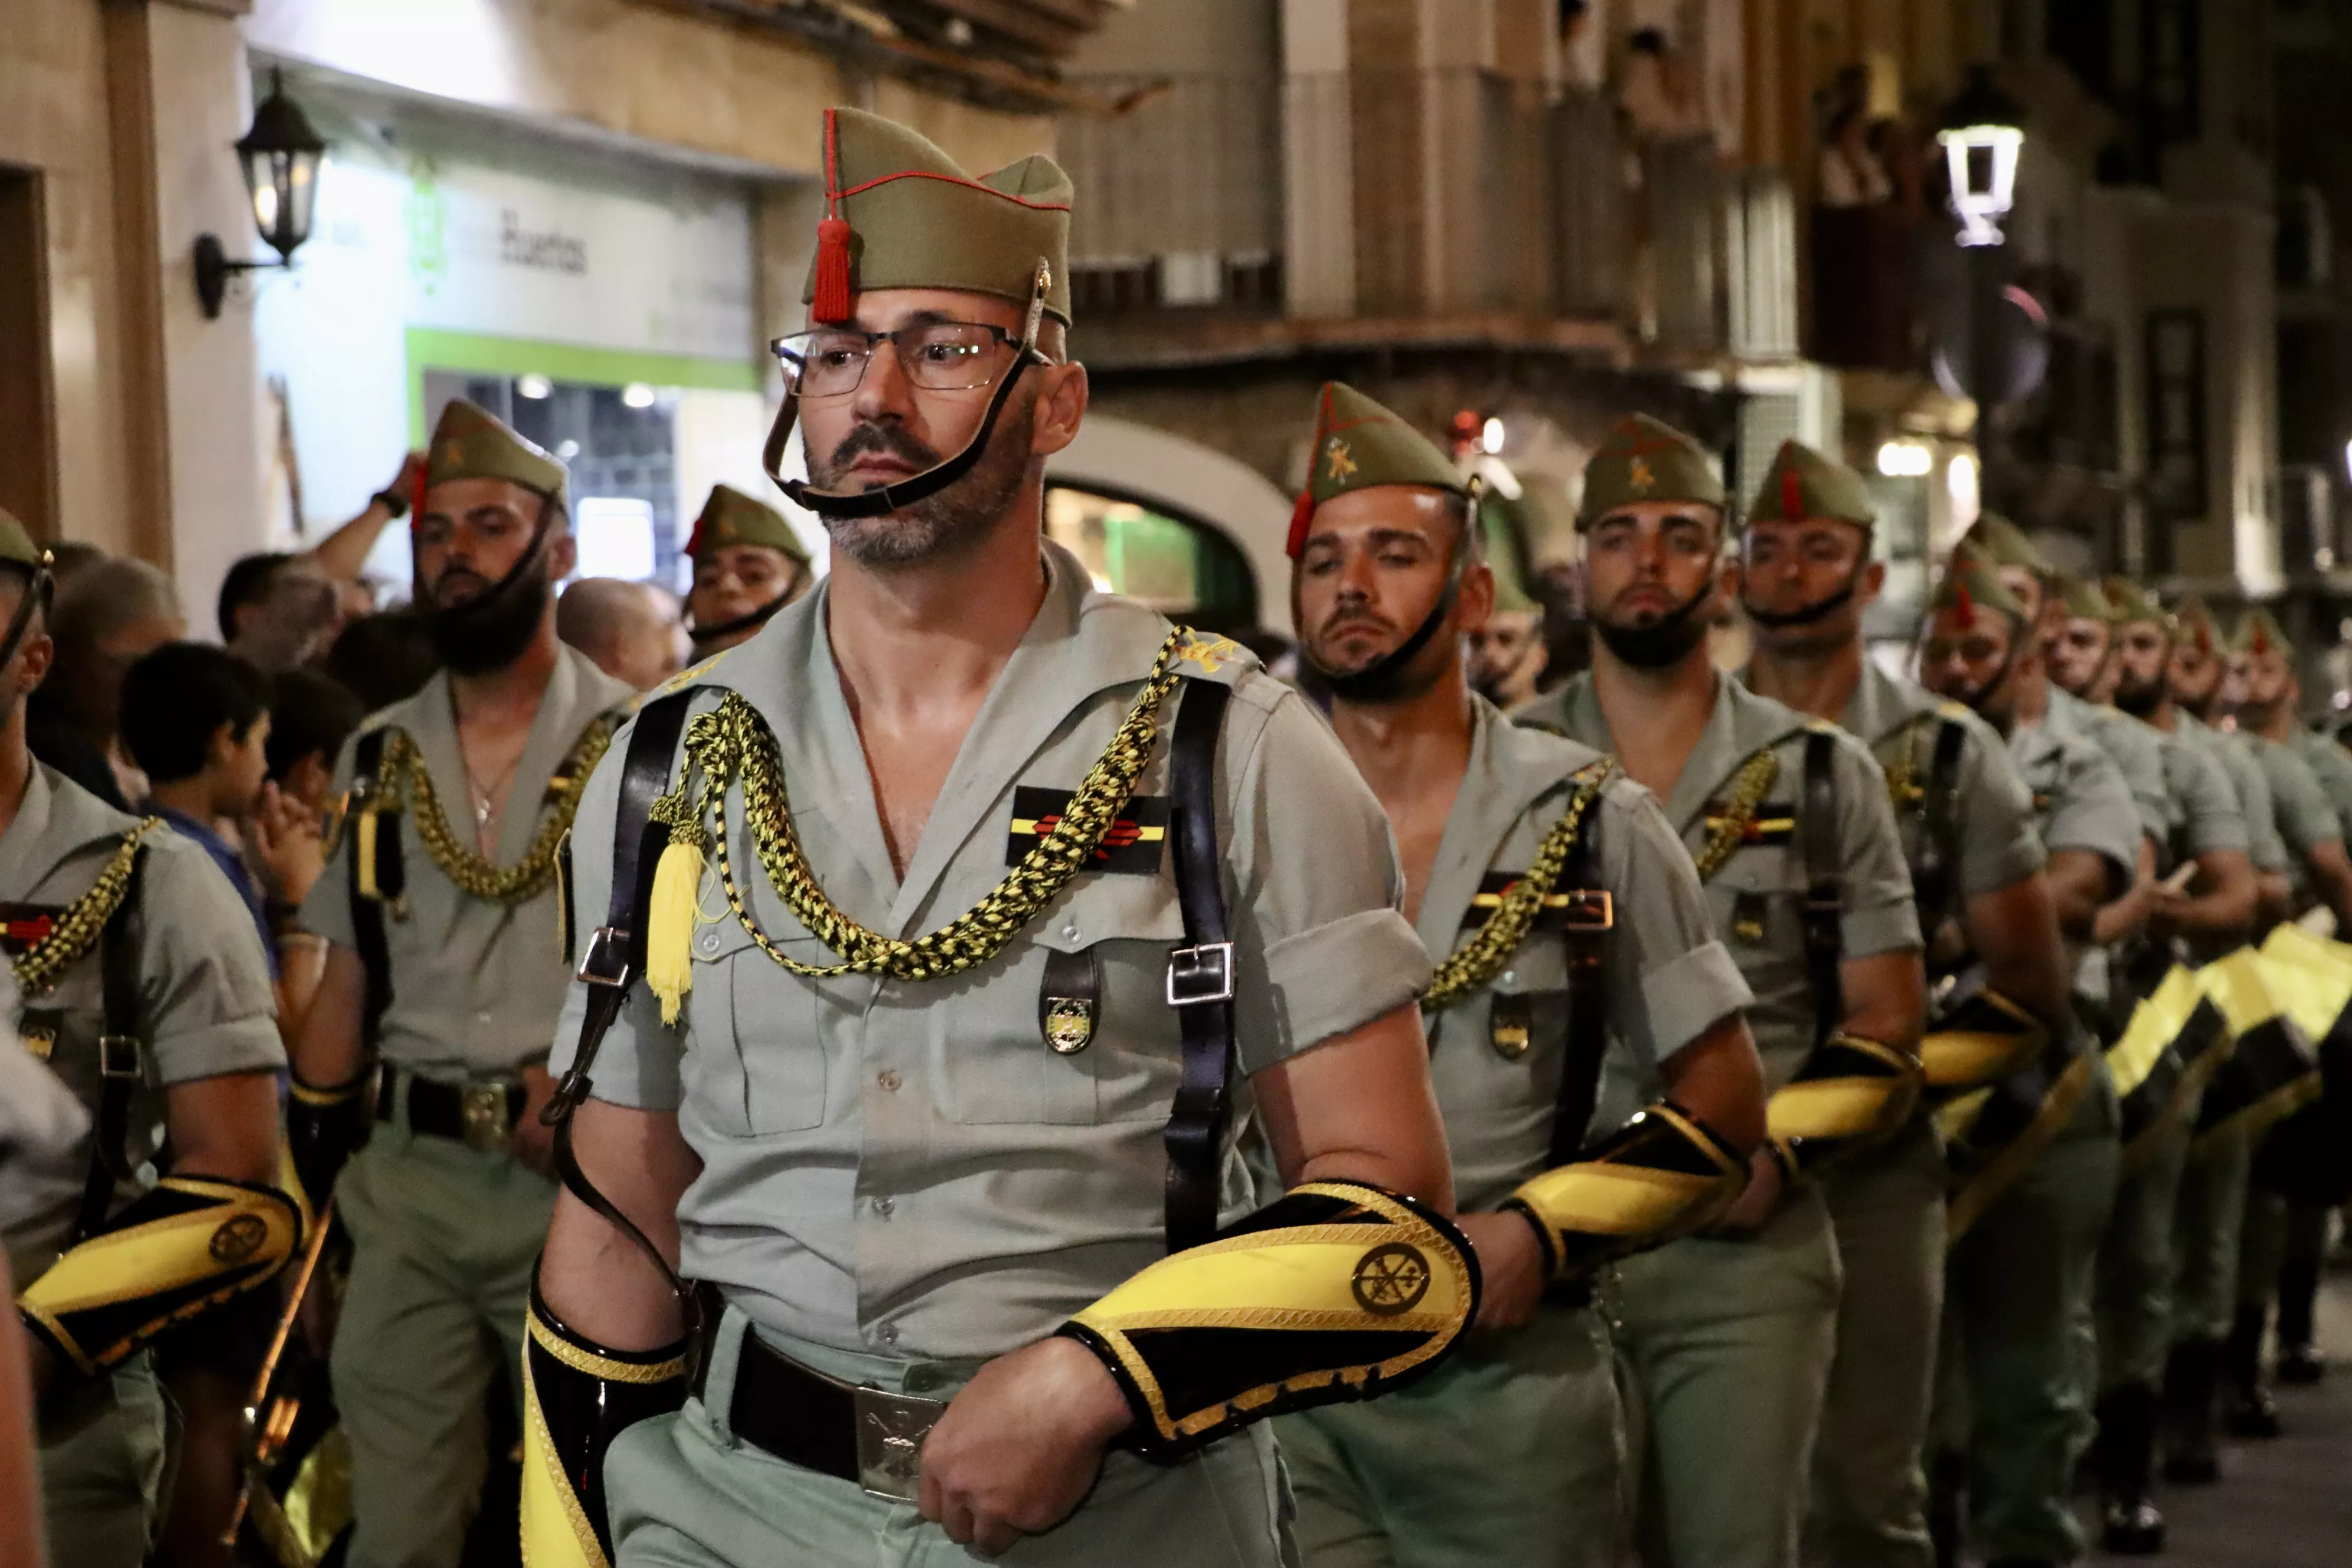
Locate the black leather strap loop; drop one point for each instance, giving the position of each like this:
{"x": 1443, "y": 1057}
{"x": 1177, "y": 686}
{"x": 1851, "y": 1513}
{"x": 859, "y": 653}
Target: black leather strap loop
{"x": 1937, "y": 862}
{"x": 1817, "y": 837}
{"x": 121, "y": 1065}
{"x": 1196, "y": 1125}
{"x": 390, "y": 882}
{"x": 1588, "y": 1000}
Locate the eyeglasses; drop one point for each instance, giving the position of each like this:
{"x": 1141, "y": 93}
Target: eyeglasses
{"x": 937, "y": 356}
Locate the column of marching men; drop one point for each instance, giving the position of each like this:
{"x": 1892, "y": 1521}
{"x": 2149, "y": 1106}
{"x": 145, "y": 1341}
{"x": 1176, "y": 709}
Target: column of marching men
{"x": 970, "y": 1067}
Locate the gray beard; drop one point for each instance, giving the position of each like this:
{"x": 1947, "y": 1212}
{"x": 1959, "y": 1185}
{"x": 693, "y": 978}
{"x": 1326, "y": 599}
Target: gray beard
{"x": 950, "y": 521}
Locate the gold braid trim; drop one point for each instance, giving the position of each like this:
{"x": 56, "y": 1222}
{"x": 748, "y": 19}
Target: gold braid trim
{"x": 77, "y": 931}
{"x": 1725, "y": 832}
{"x": 1484, "y": 951}
{"x": 1903, "y": 785}
{"x": 401, "y": 775}
{"x": 732, "y": 741}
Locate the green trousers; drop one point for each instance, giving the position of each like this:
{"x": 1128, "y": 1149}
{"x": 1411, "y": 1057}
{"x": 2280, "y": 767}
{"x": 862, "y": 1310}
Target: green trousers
{"x": 1513, "y": 1452}
{"x": 103, "y": 1445}
{"x": 2010, "y": 1394}
{"x": 2207, "y": 1224}
{"x": 443, "y": 1242}
{"x": 1869, "y": 1505}
{"x": 2133, "y": 1295}
{"x": 685, "y": 1493}
{"x": 1727, "y": 1348}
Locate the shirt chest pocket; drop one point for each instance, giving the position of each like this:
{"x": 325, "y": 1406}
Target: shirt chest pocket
{"x": 1758, "y": 902}
{"x": 1070, "y": 1025}
{"x": 758, "y": 1058}
{"x": 1505, "y": 1045}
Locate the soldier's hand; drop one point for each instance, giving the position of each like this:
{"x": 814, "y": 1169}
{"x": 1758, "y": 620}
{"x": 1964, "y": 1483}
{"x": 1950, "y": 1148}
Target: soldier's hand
{"x": 1511, "y": 1268}
{"x": 530, "y": 1143}
{"x": 1020, "y": 1446}
{"x": 1758, "y": 1200}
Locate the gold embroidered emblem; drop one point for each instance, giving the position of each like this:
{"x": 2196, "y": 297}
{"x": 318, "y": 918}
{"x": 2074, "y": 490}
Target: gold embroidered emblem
{"x": 1069, "y": 1025}
{"x": 1639, "y": 475}
{"x": 238, "y": 1239}
{"x": 1211, "y": 654}
{"x": 1337, "y": 462}
{"x": 1390, "y": 1279}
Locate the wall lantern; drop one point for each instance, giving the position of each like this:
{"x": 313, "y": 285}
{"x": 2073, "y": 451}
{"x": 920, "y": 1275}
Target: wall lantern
{"x": 280, "y": 157}
{"x": 1981, "y": 143}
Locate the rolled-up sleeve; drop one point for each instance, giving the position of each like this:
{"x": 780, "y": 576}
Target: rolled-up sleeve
{"x": 204, "y": 978}
{"x": 1320, "y": 942}
{"x": 1670, "y": 979}
{"x": 2214, "y": 824}
{"x": 1998, "y": 847}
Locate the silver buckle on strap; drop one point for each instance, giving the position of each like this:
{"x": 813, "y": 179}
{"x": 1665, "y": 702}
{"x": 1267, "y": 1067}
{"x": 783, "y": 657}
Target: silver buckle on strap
{"x": 890, "y": 1432}
{"x": 1203, "y": 974}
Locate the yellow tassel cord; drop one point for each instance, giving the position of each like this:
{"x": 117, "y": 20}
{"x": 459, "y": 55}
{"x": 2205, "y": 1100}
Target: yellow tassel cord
{"x": 669, "y": 923}
{"x": 365, "y": 828}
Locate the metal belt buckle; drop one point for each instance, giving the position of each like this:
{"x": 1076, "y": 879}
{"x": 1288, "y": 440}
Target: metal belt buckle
{"x": 117, "y": 1056}
{"x": 890, "y": 1432}
{"x": 482, "y": 1114}
{"x": 1203, "y": 974}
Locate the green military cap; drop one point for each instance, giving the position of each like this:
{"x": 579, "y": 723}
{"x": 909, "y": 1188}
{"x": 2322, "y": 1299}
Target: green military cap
{"x": 1360, "y": 445}
{"x": 470, "y": 443}
{"x": 1970, "y": 584}
{"x": 2257, "y": 632}
{"x": 2083, "y": 599}
{"x": 1802, "y": 483}
{"x": 901, "y": 214}
{"x": 2006, "y": 544}
{"x": 16, "y": 546}
{"x": 730, "y": 517}
{"x": 1506, "y": 553}
{"x": 2196, "y": 624}
{"x": 1646, "y": 460}
{"x": 2132, "y": 604}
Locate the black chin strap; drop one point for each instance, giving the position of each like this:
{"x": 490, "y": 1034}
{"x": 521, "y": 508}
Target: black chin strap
{"x": 745, "y": 622}
{"x": 880, "y": 501}
{"x": 1377, "y": 682}
{"x": 1805, "y": 614}
{"x": 36, "y": 593}
{"x": 514, "y": 574}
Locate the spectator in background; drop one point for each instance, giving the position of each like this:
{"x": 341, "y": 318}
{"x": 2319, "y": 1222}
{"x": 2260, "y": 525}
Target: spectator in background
{"x": 111, "y": 612}
{"x": 383, "y": 658}
{"x": 1660, "y": 93}
{"x": 748, "y": 564}
{"x": 69, "y": 557}
{"x": 312, "y": 714}
{"x": 630, "y": 629}
{"x": 1851, "y": 174}
{"x": 280, "y": 610}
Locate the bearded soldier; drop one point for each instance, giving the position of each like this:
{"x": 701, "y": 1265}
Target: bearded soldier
{"x": 1975, "y": 873}
{"x": 442, "y": 987}
{"x": 965, "y": 896}
{"x": 139, "y": 980}
{"x": 1790, "y": 825}
{"x": 1510, "y": 1454}
{"x": 748, "y": 564}
{"x": 2039, "y": 1155}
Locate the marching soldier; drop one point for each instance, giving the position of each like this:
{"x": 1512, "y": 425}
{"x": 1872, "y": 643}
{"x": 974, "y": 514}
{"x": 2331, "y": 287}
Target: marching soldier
{"x": 2204, "y": 905}
{"x": 1510, "y": 1454}
{"x": 2176, "y": 699}
{"x": 139, "y": 980}
{"x": 944, "y": 984}
{"x": 442, "y": 987}
{"x": 1731, "y": 1335}
{"x": 748, "y": 564}
{"x": 1976, "y": 874}
{"x": 2038, "y": 1162}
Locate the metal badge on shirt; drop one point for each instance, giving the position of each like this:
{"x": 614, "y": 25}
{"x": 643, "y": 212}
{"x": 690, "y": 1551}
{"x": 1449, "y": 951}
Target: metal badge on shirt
{"x": 24, "y": 927}
{"x": 1775, "y": 823}
{"x": 1131, "y": 845}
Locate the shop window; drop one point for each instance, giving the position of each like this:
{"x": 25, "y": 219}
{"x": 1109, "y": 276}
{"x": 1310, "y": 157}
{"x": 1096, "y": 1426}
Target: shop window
{"x": 1182, "y": 566}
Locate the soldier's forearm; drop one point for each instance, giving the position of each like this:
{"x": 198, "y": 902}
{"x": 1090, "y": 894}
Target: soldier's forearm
{"x": 1360, "y": 1108}
{"x": 2226, "y": 908}
{"x": 224, "y": 1127}
{"x": 594, "y": 1276}
{"x": 1719, "y": 1078}
{"x": 328, "y": 1051}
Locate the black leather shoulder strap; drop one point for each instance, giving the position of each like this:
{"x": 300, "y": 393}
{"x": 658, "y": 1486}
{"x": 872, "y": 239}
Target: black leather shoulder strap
{"x": 1200, "y": 974}
{"x": 1938, "y": 857}
{"x": 1818, "y": 837}
{"x": 1591, "y": 916}
{"x": 121, "y": 1064}
{"x": 391, "y": 881}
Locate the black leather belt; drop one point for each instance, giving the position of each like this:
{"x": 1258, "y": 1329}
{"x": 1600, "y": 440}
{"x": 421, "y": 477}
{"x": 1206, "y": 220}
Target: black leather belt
{"x": 479, "y": 1115}
{"x": 799, "y": 1415}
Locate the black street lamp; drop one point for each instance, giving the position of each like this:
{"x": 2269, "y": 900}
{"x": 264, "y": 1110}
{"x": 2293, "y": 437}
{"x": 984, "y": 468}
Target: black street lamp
{"x": 281, "y": 155}
{"x": 1982, "y": 138}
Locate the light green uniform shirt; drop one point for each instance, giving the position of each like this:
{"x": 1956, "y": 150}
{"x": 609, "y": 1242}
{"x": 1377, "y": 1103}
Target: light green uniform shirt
{"x": 2080, "y": 799}
{"x": 476, "y": 986}
{"x": 206, "y": 1007}
{"x": 1669, "y": 980}
{"x": 2131, "y": 743}
{"x": 2306, "y": 819}
{"x": 2332, "y": 767}
{"x": 908, "y": 1168}
{"x": 1765, "y": 877}
{"x": 2207, "y": 818}
{"x": 1993, "y": 816}
{"x": 2264, "y": 844}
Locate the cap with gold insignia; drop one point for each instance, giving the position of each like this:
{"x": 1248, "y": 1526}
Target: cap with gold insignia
{"x": 1969, "y": 586}
{"x": 901, "y": 214}
{"x": 2197, "y": 624}
{"x": 2132, "y": 604}
{"x": 730, "y": 517}
{"x": 2006, "y": 544}
{"x": 2084, "y": 601}
{"x": 16, "y": 546}
{"x": 2258, "y": 634}
{"x": 1360, "y": 445}
{"x": 470, "y": 443}
{"x": 1646, "y": 460}
{"x": 1803, "y": 483}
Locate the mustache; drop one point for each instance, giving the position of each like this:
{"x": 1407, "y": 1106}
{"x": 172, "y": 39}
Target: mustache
{"x": 453, "y": 574}
{"x": 883, "y": 440}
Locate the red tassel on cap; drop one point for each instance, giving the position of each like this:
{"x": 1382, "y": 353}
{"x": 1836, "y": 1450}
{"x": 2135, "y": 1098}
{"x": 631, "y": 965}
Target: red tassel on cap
{"x": 1792, "y": 496}
{"x": 416, "y": 499}
{"x": 1301, "y": 515}
{"x": 1964, "y": 606}
{"x": 830, "y": 299}
{"x": 2261, "y": 641}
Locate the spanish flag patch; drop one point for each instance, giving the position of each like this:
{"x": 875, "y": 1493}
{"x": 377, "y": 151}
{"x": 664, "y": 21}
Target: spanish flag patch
{"x": 1132, "y": 845}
